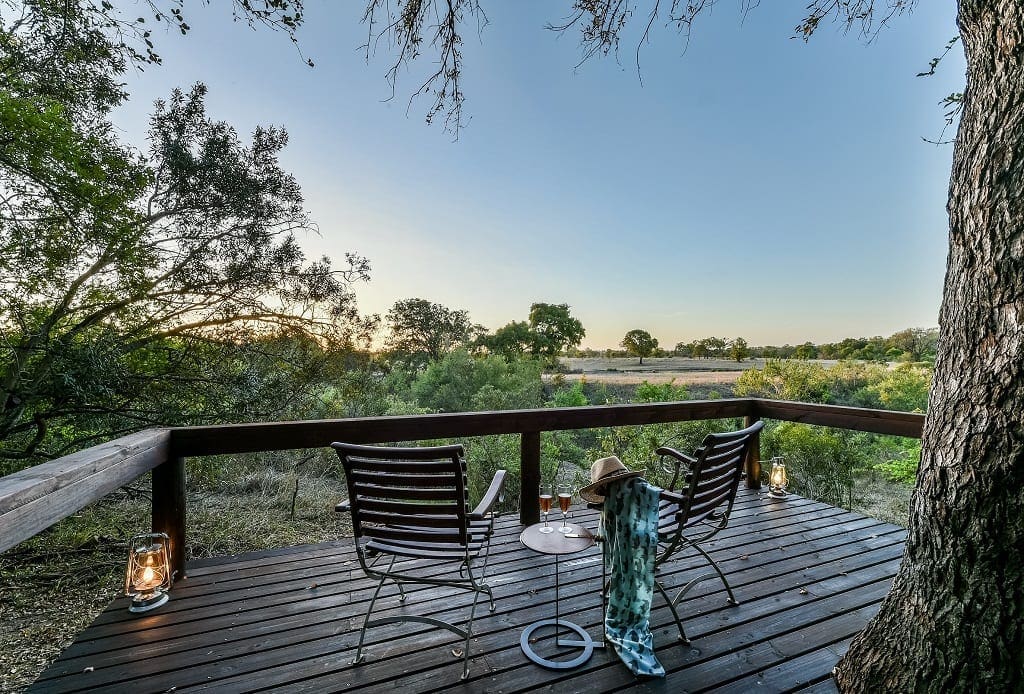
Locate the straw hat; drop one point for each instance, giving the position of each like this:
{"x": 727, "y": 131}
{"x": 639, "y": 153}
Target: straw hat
{"x": 602, "y": 472}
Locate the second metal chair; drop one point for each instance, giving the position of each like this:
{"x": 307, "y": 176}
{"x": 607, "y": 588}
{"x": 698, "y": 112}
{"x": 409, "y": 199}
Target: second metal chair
{"x": 698, "y": 504}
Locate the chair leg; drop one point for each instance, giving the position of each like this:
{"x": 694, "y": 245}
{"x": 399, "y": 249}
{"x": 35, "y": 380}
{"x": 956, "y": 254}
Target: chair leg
{"x": 366, "y": 620}
{"x": 672, "y": 608}
{"x": 732, "y": 598}
{"x": 483, "y": 573}
{"x": 469, "y": 633}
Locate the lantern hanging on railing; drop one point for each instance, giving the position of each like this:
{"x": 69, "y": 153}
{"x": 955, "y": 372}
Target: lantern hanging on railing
{"x": 777, "y": 478}
{"x": 149, "y": 571}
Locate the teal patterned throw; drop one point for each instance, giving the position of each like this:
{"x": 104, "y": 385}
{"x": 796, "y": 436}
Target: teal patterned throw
{"x": 630, "y": 523}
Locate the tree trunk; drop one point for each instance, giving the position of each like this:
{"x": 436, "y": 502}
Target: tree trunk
{"x": 954, "y": 618}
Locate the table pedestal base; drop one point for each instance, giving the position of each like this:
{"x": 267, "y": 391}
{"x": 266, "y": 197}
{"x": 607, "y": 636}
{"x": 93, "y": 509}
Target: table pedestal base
{"x": 585, "y": 642}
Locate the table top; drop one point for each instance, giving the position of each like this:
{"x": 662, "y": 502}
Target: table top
{"x": 556, "y": 542}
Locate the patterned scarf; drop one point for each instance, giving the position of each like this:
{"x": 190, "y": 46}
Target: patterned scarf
{"x": 630, "y": 520}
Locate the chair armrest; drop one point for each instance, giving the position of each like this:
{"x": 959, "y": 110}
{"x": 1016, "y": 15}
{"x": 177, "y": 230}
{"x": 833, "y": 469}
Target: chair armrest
{"x": 492, "y": 494}
{"x": 344, "y": 507}
{"x": 682, "y": 457}
{"x": 679, "y": 459}
{"x": 671, "y": 497}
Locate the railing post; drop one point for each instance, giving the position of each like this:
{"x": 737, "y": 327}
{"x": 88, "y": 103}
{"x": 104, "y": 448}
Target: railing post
{"x": 529, "y": 477}
{"x": 752, "y": 466}
{"x": 169, "y": 510}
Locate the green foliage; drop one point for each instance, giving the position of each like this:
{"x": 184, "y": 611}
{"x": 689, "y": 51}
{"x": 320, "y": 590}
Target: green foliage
{"x": 573, "y": 396}
{"x": 902, "y": 467}
{"x": 635, "y": 445}
{"x": 806, "y": 351}
{"x": 661, "y": 392}
{"x": 904, "y": 388}
{"x": 461, "y": 383}
{"x": 820, "y": 462}
{"x": 640, "y": 343}
{"x": 786, "y": 380}
{"x": 858, "y": 384}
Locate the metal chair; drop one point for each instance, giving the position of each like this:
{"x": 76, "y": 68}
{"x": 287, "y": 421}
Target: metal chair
{"x": 702, "y": 504}
{"x": 413, "y": 503}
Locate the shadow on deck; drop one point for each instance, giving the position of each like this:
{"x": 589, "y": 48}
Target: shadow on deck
{"x": 808, "y": 577}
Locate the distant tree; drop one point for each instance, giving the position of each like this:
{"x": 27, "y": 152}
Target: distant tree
{"x": 553, "y": 329}
{"x": 639, "y": 343}
{"x": 912, "y": 344}
{"x": 510, "y": 341}
{"x": 682, "y": 349}
{"x": 738, "y": 349}
{"x": 827, "y": 351}
{"x": 699, "y": 349}
{"x": 716, "y": 346}
{"x": 422, "y": 331}
{"x": 806, "y": 351}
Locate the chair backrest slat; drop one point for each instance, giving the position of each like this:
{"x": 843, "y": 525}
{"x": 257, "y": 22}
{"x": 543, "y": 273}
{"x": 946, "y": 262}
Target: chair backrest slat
{"x": 439, "y": 536}
{"x": 411, "y": 522}
{"x": 390, "y": 506}
{"x": 715, "y": 476}
{"x": 399, "y": 492}
{"x": 399, "y": 466}
{"x": 416, "y": 495}
{"x": 385, "y": 479}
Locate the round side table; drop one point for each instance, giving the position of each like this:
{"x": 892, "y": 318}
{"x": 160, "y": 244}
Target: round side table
{"x": 557, "y": 544}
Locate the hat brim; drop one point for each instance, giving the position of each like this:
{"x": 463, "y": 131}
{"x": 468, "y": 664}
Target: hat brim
{"x": 594, "y": 492}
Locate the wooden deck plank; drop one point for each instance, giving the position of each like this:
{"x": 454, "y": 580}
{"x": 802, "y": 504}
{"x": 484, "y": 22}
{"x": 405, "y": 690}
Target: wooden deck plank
{"x": 528, "y": 573}
{"x": 808, "y": 576}
{"x": 116, "y": 620}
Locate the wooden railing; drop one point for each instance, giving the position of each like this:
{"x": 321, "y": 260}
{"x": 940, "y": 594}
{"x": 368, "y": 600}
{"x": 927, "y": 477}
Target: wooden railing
{"x": 35, "y": 498}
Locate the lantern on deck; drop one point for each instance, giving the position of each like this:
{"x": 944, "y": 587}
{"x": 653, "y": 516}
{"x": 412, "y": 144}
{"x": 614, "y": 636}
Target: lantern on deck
{"x": 149, "y": 571}
{"x": 777, "y": 478}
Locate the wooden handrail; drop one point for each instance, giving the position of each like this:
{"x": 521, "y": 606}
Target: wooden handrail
{"x": 35, "y": 498}
{"x": 908, "y": 424}
{"x": 277, "y": 436}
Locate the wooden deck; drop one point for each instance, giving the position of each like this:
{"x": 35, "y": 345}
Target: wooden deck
{"x": 808, "y": 576}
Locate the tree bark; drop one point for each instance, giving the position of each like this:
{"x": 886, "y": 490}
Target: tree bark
{"x": 954, "y": 618}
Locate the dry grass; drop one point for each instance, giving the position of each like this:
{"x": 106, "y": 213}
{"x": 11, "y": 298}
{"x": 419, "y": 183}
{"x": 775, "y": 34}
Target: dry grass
{"x": 878, "y": 497}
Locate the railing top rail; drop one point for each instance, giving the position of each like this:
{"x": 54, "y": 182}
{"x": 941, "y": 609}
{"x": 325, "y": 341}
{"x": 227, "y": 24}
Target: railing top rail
{"x": 891, "y": 422}
{"x": 273, "y": 436}
{"x": 35, "y": 498}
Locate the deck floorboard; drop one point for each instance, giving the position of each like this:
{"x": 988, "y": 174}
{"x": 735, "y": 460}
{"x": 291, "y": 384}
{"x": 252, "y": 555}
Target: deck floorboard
{"x": 808, "y": 577}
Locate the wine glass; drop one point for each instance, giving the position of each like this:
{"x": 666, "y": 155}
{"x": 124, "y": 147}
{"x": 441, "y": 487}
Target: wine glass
{"x": 545, "y": 507}
{"x": 564, "y": 499}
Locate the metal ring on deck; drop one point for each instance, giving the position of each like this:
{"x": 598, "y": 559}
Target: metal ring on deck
{"x": 585, "y": 642}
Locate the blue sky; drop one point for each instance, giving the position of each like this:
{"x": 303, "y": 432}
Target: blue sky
{"x": 752, "y": 185}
